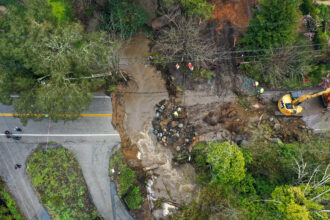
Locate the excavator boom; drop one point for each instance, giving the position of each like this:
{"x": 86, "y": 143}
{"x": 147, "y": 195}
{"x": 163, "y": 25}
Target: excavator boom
{"x": 309, "y": 96}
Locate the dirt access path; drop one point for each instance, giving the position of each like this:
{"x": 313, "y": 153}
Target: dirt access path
{"x": 133, "y": 111}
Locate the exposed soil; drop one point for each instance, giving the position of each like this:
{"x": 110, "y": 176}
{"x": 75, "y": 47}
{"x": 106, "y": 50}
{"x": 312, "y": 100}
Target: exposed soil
{"x": 234, "y": 13}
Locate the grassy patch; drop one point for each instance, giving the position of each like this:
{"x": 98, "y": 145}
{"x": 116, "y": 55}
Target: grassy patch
{"x": 129, "y": 190}
{"x": 59, "y": 181}
{"x": 8, "y": 207}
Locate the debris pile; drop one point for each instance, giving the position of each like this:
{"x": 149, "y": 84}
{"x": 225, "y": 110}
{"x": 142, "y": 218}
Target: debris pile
{"x": 215, "y": 117}
{"x": 171, "y": 126}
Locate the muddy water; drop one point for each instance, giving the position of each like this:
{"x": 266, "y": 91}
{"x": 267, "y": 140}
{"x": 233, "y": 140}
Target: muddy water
{"x": 133, "y": 110}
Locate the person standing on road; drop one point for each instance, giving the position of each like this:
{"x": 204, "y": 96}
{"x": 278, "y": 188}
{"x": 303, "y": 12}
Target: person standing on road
{"x": 17, "y": 166}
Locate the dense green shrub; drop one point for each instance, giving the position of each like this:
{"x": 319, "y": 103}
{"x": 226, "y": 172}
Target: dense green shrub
{"x": 62, "y": 10}
{"x": 122, "y": 17}
{"x": 227, "y": 162}
{"x": 134, "y": 198}
{"x": 8, "y": 207}
{"x": 58, "y": 179}
{"x": 307, "y": 7}
{"x": 126, "y": 179}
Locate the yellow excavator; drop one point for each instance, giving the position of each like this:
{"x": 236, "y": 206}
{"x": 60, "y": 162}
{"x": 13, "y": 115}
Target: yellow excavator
{"x": 289, "y": 103}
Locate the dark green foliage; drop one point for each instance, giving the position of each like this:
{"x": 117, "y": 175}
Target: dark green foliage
{"x": 134, "y": 198}
{"x": 58, "y": 178}
{"x": 49, "y": 64}
{"x": 274, "y": 25}
{"x": 11, "y": 3}
{"x": 264, "y": 186}
{"x": 127, "y": 180}
{"x": 122, "y": 17}
{"x": 8, "y": 207}
{"x": 307, "y": 7}
{"x": 203, "y": 169}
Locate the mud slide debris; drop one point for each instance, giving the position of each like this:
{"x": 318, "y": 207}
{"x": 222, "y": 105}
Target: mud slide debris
{"x": 172, "y": 128}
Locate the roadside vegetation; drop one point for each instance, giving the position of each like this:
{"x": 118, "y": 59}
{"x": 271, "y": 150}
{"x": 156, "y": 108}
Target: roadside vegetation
{"x": 262, "y": 180}
{"x": 127, "y": 181}
{"x": 8, "y": 207}
{"x": 57, "y": 177}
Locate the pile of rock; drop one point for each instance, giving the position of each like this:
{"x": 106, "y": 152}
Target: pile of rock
{"x": 171, "y": 126}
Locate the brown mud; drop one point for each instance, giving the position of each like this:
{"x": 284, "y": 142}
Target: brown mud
{"x": 133, "y": 111}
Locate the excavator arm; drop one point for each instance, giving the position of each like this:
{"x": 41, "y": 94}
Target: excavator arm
{"x": 305, "y": 97}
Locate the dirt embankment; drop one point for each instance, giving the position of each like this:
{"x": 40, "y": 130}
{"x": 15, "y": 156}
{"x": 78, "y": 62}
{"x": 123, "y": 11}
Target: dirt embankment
{"x": 234, "y": 13}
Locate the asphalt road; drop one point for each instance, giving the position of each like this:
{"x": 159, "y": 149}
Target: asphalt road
{"x": 91, "y": 139}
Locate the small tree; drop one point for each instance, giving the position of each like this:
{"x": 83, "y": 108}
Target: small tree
{"x": 184, "y": 41}
{"x": 227, "y": 162}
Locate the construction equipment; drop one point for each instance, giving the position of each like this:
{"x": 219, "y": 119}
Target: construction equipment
{"x": 289, "y": 103}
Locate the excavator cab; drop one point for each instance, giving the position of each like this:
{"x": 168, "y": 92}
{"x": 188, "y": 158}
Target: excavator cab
{"x": 289, "y": 103}
{"x": 285, "y": 104}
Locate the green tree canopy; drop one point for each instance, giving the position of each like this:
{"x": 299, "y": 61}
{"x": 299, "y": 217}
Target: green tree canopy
{"x": 227, "y": 162}
{"x": 52, "y": 66}
{"x": 291, "y": 203}
{"x": 274, "y": 25}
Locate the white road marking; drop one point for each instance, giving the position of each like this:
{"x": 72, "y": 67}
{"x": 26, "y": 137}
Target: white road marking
{"x": 63, "y": 135}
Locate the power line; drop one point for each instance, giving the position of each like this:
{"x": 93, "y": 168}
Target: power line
{"x": 221, "y": 52}
{"x": 227, "y": 52}
{"x": 192, "y": 60}
{"x": 215, "y": 28}
{"x": 235, "y": 58}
